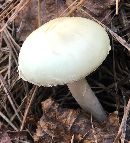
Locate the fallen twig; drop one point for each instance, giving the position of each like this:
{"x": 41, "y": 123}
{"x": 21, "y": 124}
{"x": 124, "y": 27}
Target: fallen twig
{"x": 34, "y": 89}
{"x": 123, "y": 123}
{"x": 8, "y": 93}
{"x": 8, "y": 121}
{"x": 114, "y": 35}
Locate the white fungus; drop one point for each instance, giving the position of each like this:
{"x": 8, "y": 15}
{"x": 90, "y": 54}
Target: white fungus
{"x": 64, "y": 51}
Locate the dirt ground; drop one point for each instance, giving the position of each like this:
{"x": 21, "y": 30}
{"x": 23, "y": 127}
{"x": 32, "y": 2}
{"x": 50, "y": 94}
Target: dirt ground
{"x": 50, "y": 114}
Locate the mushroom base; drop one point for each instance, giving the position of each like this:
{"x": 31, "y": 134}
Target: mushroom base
{"x": 86, "y": 98}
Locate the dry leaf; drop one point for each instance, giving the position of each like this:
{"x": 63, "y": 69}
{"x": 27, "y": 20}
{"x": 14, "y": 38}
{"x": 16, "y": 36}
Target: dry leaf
{"x": 60, "y": 124}
{"x": 4, "y": 137}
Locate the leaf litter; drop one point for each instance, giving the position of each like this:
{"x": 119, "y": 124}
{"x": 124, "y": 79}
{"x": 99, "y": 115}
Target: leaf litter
{"x": 60, "y": 119}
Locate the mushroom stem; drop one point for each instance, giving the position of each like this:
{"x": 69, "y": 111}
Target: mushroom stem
{"x": 86, "y": 98}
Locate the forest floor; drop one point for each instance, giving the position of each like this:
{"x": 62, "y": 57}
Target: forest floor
{"x": 51, "y": 115}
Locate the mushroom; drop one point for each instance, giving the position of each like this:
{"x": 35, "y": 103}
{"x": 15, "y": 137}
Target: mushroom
{"x": 64, "y": 51}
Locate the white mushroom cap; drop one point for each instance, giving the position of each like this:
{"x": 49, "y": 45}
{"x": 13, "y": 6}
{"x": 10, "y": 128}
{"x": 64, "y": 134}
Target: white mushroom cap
{"x": 62, "y": 51}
